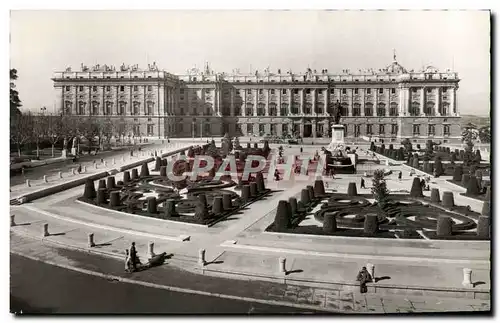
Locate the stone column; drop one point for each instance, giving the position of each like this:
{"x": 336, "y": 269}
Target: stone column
{"x": 256, "y": 102}
{"x": 231, "y": 108}
{"x": 314, "y": 128}
{"x": 438, "y": 102}
{"x": 364, "y": 103}
{"x": 467, "y": 282}
{"x": 244, "y": 107}
{"x": 453, "y": 109}
{"x": 422, "y": 102}
{"x": 375, "y": 103}
{"x": 266, "y": 109}
{"x": 313, "y": 102}
{"x": 302, "y": 107}
{"x": 350, "y": 98}
{"x": 290, "y": 100}
{"x": 280, "y": 94}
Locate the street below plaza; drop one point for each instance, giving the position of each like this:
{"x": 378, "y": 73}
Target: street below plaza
{"x": 39, "y": 288}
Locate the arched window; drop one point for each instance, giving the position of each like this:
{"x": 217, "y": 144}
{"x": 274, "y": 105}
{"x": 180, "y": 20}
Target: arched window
{"x": 136, "y": 108}
{"x": 81, "y": 108}
{"x": 369, "y": 109}
{"x": 68, "y": 105}
{"x": 356, "y": 109}
{"x": 344, "y": 109}
{"x": 249, "y": 109}
{"x": 284, "y": 109}
{"x": 261, "y": 109}
{"x": 445, "y": 109}
{"x": 381, "y": 110}
{"x": 121, "y": 107}
{"x": 415, "y": 109}
{"x": 393, "y": 110}
{"x": 150, "y": 107}
{"x": 320, "y": 108}
{"x": 273, "y": 111}
{"x": 95, "y": 107}
{"x": 308, "y": 108}
{"x": 109, "y": 108}
{"x": 429, "y": 109}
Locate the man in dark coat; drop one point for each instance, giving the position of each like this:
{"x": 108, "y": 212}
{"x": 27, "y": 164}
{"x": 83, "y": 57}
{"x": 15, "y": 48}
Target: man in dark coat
{"x": 363, "y": 277}
{"x": 400, "y": 176}
{"x": 276, "y": 175}
{"x": 362, "y": 182}
{"x": 133, "y": 257}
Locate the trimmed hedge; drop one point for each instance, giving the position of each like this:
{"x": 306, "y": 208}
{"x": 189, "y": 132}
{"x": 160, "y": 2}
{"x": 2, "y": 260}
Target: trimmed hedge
{"x": 370, "y": 226}
{"x": 352, "y": 190}
{"x": 448, "y": 199}
{"x": 416, "y": 188}
{"x": 444, "y": 226}
{"x": 329, "y": 223}
{"x": 282, "y": 220}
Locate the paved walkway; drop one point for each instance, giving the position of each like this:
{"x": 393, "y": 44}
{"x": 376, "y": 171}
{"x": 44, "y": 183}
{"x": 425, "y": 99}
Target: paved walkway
{"x": 170, "y": 278}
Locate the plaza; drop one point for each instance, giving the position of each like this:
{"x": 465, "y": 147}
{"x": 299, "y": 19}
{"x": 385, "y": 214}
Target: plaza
{"x": 239, "y": 247}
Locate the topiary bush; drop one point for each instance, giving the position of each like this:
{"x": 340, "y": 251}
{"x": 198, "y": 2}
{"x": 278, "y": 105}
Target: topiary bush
{"x": 416, "y": 188}
{"x": 282, "y": 219}
{"x": 170, "y": 210}
{"x": 101, "y": 196}
{"x": 486, "y": 210}
{"x": 483, "y": 227}
{"x": 310, "y": 189}
{"x": 110, "y": 183}
{"x": 352, "y": 190}
{"x": 444, "y": 226}
{"x": 438, "y": 168}
{"x": 465, "y": 180}
{"x": 304, "y": 197}
{"x": 448, "y": 199}
{"x": 253, "y": 189}
{"x": 227, "y": 203}
{"x": 152, "y": 205}
{"x": 135, "y": 174}
{"x": 415, "y": 162}
{"x": 114, "y": 199}
{"x": 245, "y": 193}
{"x": 157, "y": 164}
{"x": 319, "y": 188}
{"x": 435, "y": 195}
{"x": 144, "y": 170}
{"x": 126, "y": 176}
{"x": 329, "y": 223}
{"x": 293, "y": 205}
{"x": 89, "y": 191}
{"x": 201, "y": 212}
{"x": 472, "y": 187}
{"x": 259, "y": 179}
{"x": 457, "y": 173}
{"x": 370, "y": 226}
{"x": 217, "y": 206}
{"x": 163, "y": 171}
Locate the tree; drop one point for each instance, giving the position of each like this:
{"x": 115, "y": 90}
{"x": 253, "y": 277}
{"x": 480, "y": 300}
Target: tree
{"x": 39, "y": 131}
{"x": 379, "y": 188}
{"x": 485, "y": 134}
{"x": 469, "y": 133}
{"x": 121, "y": 128}
{"x": 105, "y": 131}
{"x": 88, "y": 129}
{"x": 21, "y": 129}
{"x": 15, "y": 102}
{"x": 55, "y": 130}
{"x": 407, "y": 145}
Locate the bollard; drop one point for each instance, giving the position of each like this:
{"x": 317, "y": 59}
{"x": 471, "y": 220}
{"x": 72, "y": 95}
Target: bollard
{"x": 282, "y": 265}
{"x": 28, "y": 183}
{"x": 151, "y": 250}
{"x": 371, "y": 270}
{"x": 91, "y": 240}
{"x": 45, "y": 179}
{"x": 201, "y": 257}
{"x": 84, "y": 169}
{"x": 13, "y": 220}
{"x": 60, "y": 174}
{"x": 95, "y": 165}
{"x": 46, "y": 230}
{"x": 467, "y": 283}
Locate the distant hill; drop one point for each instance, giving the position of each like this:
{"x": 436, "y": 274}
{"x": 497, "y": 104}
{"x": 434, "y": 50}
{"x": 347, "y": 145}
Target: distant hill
{"x": 479, "y": 121}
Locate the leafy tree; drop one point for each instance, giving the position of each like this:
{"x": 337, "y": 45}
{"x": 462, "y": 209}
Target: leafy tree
{"x": 379, "y": 188}
{"x": 485, "y": 134}
{"x": 55, "y": 130}
{"x": 407, "y": 145}
{"x": 121, "y": 128}
{"x": 39, "y": 131}
{"x": 469, "y": 133}
{"x": 88, "y": 128}
{"x": 15, "y": 102}
{"x": 21, "y": 129}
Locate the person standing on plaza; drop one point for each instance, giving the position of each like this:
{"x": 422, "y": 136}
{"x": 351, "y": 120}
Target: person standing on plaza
{"x": 133, "y": 257}
{"x": 400, "y": 176}
{"x": 362, "y": 182}
{"x": 363, "y": 277}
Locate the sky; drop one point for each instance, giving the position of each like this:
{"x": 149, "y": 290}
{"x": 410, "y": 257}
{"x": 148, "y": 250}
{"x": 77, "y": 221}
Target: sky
{"x": 42, "y": 42}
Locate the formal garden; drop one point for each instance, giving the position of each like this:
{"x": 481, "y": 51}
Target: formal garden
{"x": 380, "y": 214}
{"x": 466, "y": 167}
{"x": 205, "y": 200}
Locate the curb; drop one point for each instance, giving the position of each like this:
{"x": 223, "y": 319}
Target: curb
{"x": 174, "y": 289}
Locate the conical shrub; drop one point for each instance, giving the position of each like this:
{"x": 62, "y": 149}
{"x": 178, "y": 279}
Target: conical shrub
{"x": 135, "y": 174}
{"x": 352, "y": 190}
{"x": 448, "y": 199}
{"x": 163, "y": 171}
{"x": 152, "y": 205}
{"x": 370, "y": 226}
{"x": 255, "y": 145}
{"x": 259, "y": 179}
{"x": 472, "y": 187}
{"x": 293, "y": 205}
{"x": 444, "y": 226}
{"x": 486, "y": 210}
{"x": 488, "y": 193}
{"x": 202, "y": 199}
{"x": 435, "y": 196}
{"x": 245, "y": 193}
{"x": 329, "y": 223}
{"x": 438, "y": 167}
{"x": 457, "y": 173}
{"x": 144, "y": 170}
{"x": 319, "y": 188}
{"x": 89, "y": 191}
{"x": 201, "y": 212}
{"x": 416, "y": 188}
{"x": 217, "y": 207}
{"x": 416, "y": 163}
{"x": 102, "y": 184}
{"x": 101, "y": 196}
{"x": 310, "y": 189}
{"x": 126, "y": 176}
{"x": 111, "y": 183}
{"x": 282, "y": 219}
{"x": 157, "y": 164}
{"x": 253, "y": 189}
{"x": 114, "y": 199}
{"x": 483, "y": 227}
{"x": 190, "y": 152}
{"x": 227, "y": 203}
{"x": 304, "y": 197}
{"x": 170, "y": 210}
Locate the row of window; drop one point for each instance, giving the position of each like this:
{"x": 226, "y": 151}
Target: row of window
{"x": 108, "y": 88}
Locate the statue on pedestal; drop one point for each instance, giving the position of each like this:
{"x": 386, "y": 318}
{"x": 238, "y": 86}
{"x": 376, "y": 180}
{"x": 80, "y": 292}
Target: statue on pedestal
{"x": 337, "y": 113}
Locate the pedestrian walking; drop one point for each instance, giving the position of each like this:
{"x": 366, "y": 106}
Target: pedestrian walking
{"x": 276, "y": 175}
{"x": 127, "y": 260}
{"x": 363, "y": 277}
{"x": 362, "y": 182}
{"x": 400, "y": 175}
{"x": 133, "y": 257}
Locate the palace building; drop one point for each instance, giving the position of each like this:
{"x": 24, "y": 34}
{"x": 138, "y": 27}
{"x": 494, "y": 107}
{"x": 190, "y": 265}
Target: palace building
{"x": 391, "y": 103}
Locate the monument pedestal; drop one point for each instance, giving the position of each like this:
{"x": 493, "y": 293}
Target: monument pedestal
{"x": 337, "y": 137}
